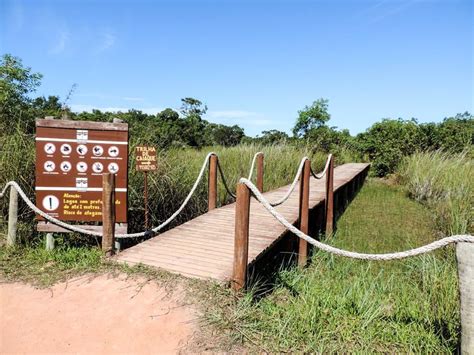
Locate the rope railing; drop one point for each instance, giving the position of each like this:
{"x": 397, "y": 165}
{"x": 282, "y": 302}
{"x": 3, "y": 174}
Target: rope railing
{"x": 322, "y": 173}
{"x": 350, "y": 254}
{"x": 252, "y": 166}
{"x": 79, "y": 229}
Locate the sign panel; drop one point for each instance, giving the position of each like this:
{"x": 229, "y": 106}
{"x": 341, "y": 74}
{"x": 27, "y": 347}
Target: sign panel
{"x": 145, "y": 158}
{"x": 71, "y": 157}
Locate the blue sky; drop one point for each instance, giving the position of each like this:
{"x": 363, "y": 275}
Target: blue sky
{"x": 254, "y": 63}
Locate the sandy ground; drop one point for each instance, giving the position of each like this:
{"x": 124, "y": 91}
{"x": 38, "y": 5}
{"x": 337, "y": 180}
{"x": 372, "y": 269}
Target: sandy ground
{"x": 100, "y": 314}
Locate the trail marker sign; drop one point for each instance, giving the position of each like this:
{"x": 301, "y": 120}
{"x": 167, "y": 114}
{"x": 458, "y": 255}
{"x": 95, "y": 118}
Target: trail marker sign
{"x": 71, "y": 157}
{"x": 145, "y": 158}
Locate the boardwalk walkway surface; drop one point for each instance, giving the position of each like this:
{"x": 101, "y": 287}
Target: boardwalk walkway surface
{"x": 204, "y": 246}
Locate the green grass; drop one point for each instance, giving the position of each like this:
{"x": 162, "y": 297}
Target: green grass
{"x": 168, "y": 186}
{"x": 44, "y": 268}
{"x": 343, "y": 305}
{"x": 445, "y": 183}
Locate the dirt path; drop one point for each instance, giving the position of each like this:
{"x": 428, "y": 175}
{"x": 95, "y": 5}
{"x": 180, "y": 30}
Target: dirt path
{"x": 100, "y": 314}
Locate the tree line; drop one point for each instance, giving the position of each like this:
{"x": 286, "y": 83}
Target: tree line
{"x": 384, "y": 144}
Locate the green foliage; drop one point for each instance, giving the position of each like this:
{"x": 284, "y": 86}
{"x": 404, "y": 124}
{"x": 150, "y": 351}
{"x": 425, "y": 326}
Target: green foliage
{"x": 387, "y": 142}
{"x": 16, "y": 83}
{"x": 340, "y": 305}
{"x": 44, "y": 268}
{"x": 445, "y": 182}
{"x": 219, "y": 134}
{"x": 454, "y": 134}
{"x": 311, "y": 117}
{"x": 168, "y": 187}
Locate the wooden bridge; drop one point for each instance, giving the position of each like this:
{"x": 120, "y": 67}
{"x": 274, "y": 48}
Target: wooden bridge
{"x": 221, "y": 244}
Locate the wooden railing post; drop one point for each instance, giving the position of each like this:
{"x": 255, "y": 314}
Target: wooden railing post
{"x": 465, "y": 260}
{"x": 304, "y": 213}
{"x": 12, "y": 216}
{"x": 212, "y": 186}
{"x": 330, "y": 198}
{"x": 260, "y": 158}
{"x": 241, "y": 237}
{"x": 108, "y": 213}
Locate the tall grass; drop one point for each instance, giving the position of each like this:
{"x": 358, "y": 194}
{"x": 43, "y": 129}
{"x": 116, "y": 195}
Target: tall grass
{"x": 445, "y": 182}
{"x": 168, "y": 187}
{"x": 342, "y": 305}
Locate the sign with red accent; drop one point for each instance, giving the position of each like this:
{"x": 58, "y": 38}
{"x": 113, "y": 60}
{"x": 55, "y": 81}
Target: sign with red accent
{"x": 71, "y": 157}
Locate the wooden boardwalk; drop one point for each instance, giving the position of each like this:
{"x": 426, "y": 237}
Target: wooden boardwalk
{"x": 204, "y": 246}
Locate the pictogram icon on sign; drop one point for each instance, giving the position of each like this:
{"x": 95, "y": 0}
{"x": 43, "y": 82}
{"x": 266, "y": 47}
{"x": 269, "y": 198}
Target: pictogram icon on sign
{"x": 98, "y": 150}
{"x": 113, "y": 168}
{"x": 49, "y": 166}
{"x": 50, "y": 203}
{"x": 82, "y": 135}
{"x": 81, "y": 167}
{"x": 65, "y": 149}
{"x": 81, "y": 149}
{"x": 66, "y": 166}
{"x": 49, "y": 148}
{"x": 113, "y": 151}
{"x": 81, "y": 184}
{"x": 97, "y": 167}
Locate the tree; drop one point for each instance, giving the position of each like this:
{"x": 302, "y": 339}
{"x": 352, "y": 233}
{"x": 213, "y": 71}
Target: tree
{"x": 168, "y": 115}
{"x": 311, "y": 117}
{"x": 388, "y": 141}
{"x": 16, "y": 83}
{"x": 273, "y": 136}
{"x": 192, "y": 107}
{"x": 223, "y": 135}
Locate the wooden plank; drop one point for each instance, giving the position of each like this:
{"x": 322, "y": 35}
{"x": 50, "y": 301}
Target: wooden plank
{"x": 204, "y": 247}
{"x": 106, "y": 126}
{"x": 120, "y": 228}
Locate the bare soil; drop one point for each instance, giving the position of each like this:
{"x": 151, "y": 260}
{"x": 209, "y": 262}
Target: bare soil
{"x": 96, "y": 314}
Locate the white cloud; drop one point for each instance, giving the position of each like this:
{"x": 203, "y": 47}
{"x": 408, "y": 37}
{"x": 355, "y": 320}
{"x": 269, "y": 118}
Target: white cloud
{"x": 108, "y": 40}
{"x": 61, "y": 43}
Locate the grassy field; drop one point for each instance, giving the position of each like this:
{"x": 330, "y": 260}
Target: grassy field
{"x": 168, "y": 187}
{"x": 445, "y": 183}
{"x": 336, "y": 304}
{"x": 342, "y": 305}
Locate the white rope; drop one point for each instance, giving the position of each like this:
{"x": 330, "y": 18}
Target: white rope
{"x": 350, "y": 254}
{"x": 276, "y": 203}
{"x": 292, "y": 186}
{"x": 322, "y": 173}
{"x": 253, "y": 164}
{"x": 78, "y": 229}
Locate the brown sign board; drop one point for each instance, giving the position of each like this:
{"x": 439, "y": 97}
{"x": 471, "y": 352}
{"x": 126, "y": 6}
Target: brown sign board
{"x": 71, "y": 157}
{"x": 145, "y": 158}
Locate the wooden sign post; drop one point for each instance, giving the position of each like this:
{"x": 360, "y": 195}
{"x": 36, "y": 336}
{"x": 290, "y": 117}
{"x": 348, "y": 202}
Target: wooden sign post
{"x": 71, "y": 157}
{"x": 146, "y": 161}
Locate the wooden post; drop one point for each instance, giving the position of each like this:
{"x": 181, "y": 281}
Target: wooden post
{"x": 241, "y": 237}
{"x": 145, "y": 187}
{"x": 212, "y": 190}
{"x": 330, "y": 198}
{"x": 465, "y": 259}
{"x": 49, "y": 241}
{"x": 12, "y": 216}
{"x": 304, "y": 214}
{"x": 260, "y": 158}
{"x": 108, "y": 213}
